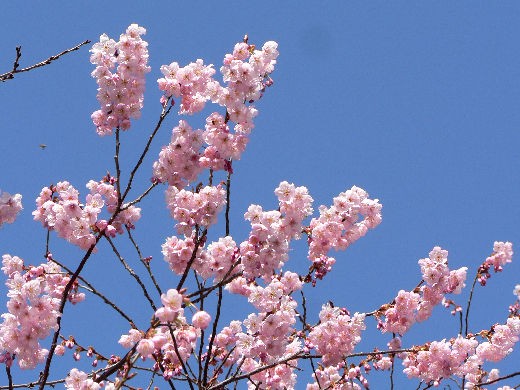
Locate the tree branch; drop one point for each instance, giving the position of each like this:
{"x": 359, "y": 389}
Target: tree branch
{"x": 10, "y": 75}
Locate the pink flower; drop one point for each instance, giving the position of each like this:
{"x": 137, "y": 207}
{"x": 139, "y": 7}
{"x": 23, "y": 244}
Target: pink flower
{"x": 201, "y": 320}
{"x": 10, "y": 206}
{"x": 146, "y": 348}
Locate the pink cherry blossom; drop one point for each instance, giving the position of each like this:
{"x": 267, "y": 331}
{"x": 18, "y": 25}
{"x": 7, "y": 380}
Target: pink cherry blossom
{"x": 120, "y": 92}
{"x": 10, "y": 206}
{"x": 201, "y": 319}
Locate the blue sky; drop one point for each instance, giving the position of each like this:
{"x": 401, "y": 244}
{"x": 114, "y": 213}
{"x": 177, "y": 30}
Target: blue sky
{"x": 415, "y": 102}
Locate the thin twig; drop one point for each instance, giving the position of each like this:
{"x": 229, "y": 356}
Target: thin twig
{"x": 466, "y": 319}
{"x": 222, "y": 384}
{"x": 228, "y": 205}
{"x": 116, "y": 366}
{"x": 89, "y": 287}
{"x": 392, "y": 373}
{"x": 143, "y": 261}
{"x": 132, "y": 273}
{"x": 118, "y": 168}
{"x": 314, "y": 371}
{"x": 221, "y": 364}
{"x": 31, "y": 385}
{"x": 10, "y": 75}
{"x": 163, "y": 115}
{"x": 213, "y": 335}
{"x": 204, "y": 292}
{"x": 140, "y": 197}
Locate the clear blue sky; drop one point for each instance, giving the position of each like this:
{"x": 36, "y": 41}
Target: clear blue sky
{"x": 418, "y": 103}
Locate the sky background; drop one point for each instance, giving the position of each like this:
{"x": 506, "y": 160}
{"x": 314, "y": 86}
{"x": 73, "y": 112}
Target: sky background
{"x": 417, "y": 103}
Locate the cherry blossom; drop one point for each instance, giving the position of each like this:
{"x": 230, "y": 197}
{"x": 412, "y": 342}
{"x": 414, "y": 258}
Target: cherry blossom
{"x": 10, "y": 206}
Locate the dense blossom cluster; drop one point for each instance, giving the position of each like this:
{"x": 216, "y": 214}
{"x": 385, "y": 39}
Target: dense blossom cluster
{"x": 246, "y": 72}
{"x": 178, "y": 253}
{"x": 218, "y": 259}
{"x": 192, "y": 209}
{"x": 411, "y": 306}
{"x": 120, "y": 92}
{"x": 340, "y": 225}
{"x": 462, "y": 357}
{"x": 442, "y": 359}
{"x": 338, "y": 377}
{"x": 267, "y": 247}
{"x": 269, "y": 334}
{"x": 336, "y": 335}
{"x": 59, "y": 209}
{"x": 10, "y": 206}
{"x": 34, "y": 298}
{"x": 193, "y": 84}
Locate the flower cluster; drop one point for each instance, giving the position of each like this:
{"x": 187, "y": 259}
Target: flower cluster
{"x": 35, "y": 294}
{"x": 411, "y": 306}
{"x": 246, "y": 72}
{"x": 218, "y": 259}
{"x": 79, "y": 380}
{"x": 193, "y": 83}
{"x": 120, "y": 92}
{"x": 442, "y": 359}
{"x": 336, "y": 335}
{"x": 267, "y": 337}
{"x": 126, "y": 215}
{"x": 192, "y": 209}
{"x": 158, "y": 343}
{"x": 59, "y": 209}
{"x": 462, "y": 357}
{"x": 340, "y": 225}
{"x": 337, "y": 377}
{"x": 178, "y": 162}
{"x": 177, "y": 253}
{"x": 246, "y": 81}
{"x": 267, "y": 247}
{"x": 10, "y": 206}
{"x": 502, "y": 254}
{"x": 222, "y": 144}
{"x": 502, "y": 338}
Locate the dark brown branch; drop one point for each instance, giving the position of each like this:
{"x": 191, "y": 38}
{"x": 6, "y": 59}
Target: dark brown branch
{"x": 10, "y": 75}
{"x": 118, "y": 168}
{"x": 66, "y": 291}
{"x": 31, "y": 385}
{"x": 213, "y": 335}
{"x": 499, "y": 379}
{"x": 228, "y": 195}
{"x": 9, "y": 376}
